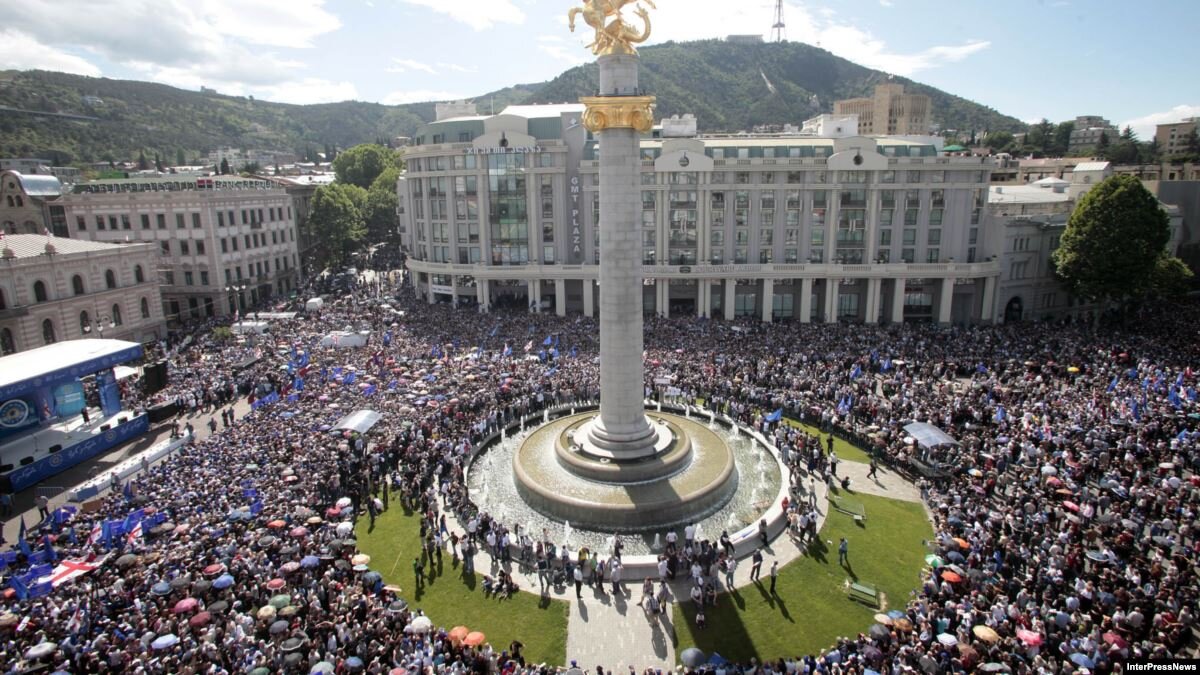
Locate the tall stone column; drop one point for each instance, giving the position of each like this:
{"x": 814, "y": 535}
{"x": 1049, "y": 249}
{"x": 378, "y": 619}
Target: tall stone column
{"x": 617, "y": 116}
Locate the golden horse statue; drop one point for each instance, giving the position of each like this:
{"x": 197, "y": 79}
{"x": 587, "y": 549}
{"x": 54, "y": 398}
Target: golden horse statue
{"x": 612, "y": 37}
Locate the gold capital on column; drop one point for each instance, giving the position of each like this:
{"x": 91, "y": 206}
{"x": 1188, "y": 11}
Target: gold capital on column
{"x": 618, "y": 112}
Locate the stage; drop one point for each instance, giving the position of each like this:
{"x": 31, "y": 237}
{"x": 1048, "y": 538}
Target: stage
{"x": 42, "y": 396}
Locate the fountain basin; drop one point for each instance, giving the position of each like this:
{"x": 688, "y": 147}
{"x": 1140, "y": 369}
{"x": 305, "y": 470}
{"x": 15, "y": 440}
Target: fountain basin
{"x": 689, "y": 479}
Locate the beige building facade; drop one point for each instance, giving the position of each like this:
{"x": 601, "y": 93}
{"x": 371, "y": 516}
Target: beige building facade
{"x": 53, "y": 289}
{"x": 889, "y": 112}
{"x": 1172, "y": 138}
{"x": 223, "y": 242}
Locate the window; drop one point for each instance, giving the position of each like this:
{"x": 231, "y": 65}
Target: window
{"x": 110, "y": 279}
{"x": 180, "y": 223}
{"x": 39, "y": 292}
{"x": 196, "y": 220}
{"x": 116, "y": 315}
{"x": 112, "y": 223}
{"x": 914, "y": 177}
{"x": 204, "y": 274}
{"x": 887, "y": 176}
{"x": 166, "y": 246}
{"x": 125, "y": 224}
{"x": 77, "y": 285}
{"x": 160, "y": 219}
{"x": 48, "y": 336}
{"x": 139, "y": 275}
{"x": 189, "y": 279}
{"x": 184, "y": 248}
{"x": 145, "y": 221}
{"x": 933, "y": 255}
{"x": 224, "y": 245}
{"x": 80, "y": 223}
{"x": 145, "y": 308}
{"x": 199, "y": 248}
{"x": 220, "y": 219}
{"x": 7, "y": 344}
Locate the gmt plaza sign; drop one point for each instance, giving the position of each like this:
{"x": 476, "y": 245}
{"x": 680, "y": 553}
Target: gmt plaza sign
{"x": 504, "y": 150}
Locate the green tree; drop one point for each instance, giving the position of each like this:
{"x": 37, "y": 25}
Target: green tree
{"x": 143, "y": 164}
{"x": 362, "y": 164}
{"x": 158, "y": 163}
{"x": 179, "y": 159}
{"x": 1171, "y": 277}
{"x": 224, "y": 167}
{"x": 1102, "y": 145}
{"x": 380, "y": 212}
{"x": 1191, "y": 147}
{"x": 336, "y": 218}
{"x": 998, "y": 141}
{"x": 1151, "y": 153}
{"x": 251, "y": 168}
{"x": 1114, "y": 239}
{"x": 1062, "y": 138}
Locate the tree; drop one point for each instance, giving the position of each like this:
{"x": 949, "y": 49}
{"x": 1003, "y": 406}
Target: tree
{"x": 179, "y": 158}
{"x": 1151, "y": 153}
{"x": 362, "y": 164}
{"x": 1171, "y": 277}
{"x": 142, "y": 163}
{"x": 336, "y": 219}
{"x": 380, "y": 212}
{"x": 251, "y": 168}
{"x": 1062, "y": 138}
{"x": 1114, "y": 239}
{"x": 224, "y": 166}
{"x": 998, "y": 141}
{"x": 1191, "y": 146}
{"x": 1102, "y": 145}
{"x": 158, "y": 163}
{"x": 1044, "y": 132}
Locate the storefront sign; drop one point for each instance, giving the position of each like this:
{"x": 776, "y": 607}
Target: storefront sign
{"x": 504, "y": 150}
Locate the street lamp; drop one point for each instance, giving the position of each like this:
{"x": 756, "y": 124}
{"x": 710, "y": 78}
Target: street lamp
{"x": 99, "y": 326}
{"x": 236, "y": 303}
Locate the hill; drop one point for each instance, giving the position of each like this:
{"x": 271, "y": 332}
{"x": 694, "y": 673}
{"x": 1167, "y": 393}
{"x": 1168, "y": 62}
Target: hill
{"x": 724, "y": 84}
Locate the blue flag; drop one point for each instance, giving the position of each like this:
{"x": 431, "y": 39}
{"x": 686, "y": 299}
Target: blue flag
{"x": 127, "y": 491}
{"x": 1112, "y": 385}
{"x": 387, "y": 339}
{"x": 350, "y": 377}
{"x": 256, "y": 507}
{"x": 507, "y": 350}
{"x": 369, "y": 390}
{"x": 775, "y": 416}
{"x": 574, "y": 351}
{"x": 22, "y": 544}
{"x": 48, "y": 548}
{"x": 298, "y": 384}
{"x": 855, "y": 372}
{"x": 887, "y": 365}
{"x": 494, "y": 329}
{"x": 393, "y": 384}
{"x": 19, "y": 587}
{"x": 479, "y": 352}
{"x": 1001, "y": 414}
{"x": 548, "y": 341}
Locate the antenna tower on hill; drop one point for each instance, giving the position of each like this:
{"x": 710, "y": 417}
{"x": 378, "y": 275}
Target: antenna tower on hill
{"x": 779, "y": 29}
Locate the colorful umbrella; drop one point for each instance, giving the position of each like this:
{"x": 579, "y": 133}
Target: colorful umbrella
{"x": 185, "y": 605}
{"x": 474, "y": 639}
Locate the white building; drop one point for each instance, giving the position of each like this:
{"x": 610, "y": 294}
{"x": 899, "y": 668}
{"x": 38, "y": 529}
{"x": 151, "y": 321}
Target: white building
{"x": 222, "y": 240}
{"x": 503, "y": 208}
{"x": 53, "y": 289}
{"x": 1033, "y": 218}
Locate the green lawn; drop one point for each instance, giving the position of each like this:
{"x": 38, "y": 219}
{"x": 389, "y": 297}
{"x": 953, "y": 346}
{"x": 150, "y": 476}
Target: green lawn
{"x": 450, "y": 600}
{"x": 844, "y": 450}
{"x": 812, "y": 608}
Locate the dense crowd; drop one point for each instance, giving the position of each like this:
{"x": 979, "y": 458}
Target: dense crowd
{"x": 1064, "y": 516}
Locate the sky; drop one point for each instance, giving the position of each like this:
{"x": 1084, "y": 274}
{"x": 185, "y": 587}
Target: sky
{"x": 1026, "y": 58}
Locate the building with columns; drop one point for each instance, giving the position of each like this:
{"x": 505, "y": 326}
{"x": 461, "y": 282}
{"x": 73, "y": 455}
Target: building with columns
{"x": 224, "y": 242}
{"x": 54, "y": 289}
{"x": 503, "y": 208}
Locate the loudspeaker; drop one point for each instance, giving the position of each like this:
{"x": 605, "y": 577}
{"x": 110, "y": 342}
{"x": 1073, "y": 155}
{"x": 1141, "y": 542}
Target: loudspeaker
{"x": 55, "y": 448}
{"x": 154, "y": 378}
{"x": 122, "y": 420}
{"x": 104, "y": 427}
{"x": 25, "y": 461}
{"x": 5, "y": 468}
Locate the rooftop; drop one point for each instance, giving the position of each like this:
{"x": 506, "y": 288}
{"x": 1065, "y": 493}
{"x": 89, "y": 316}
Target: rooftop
{"x": 538, "y": 111}
{"x": 34, "y": 245}
{"x": 61, "y": 360}
{"x": 1091, "y": 166}
{"x": 173, "y": 183}
{"x": 38, "y": 185}
{"x": 1025, "y": 194}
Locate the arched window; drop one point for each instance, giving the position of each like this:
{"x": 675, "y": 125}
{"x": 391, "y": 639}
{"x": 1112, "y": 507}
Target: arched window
{"x": 77, "y": 285}
{"x": 3, "y": 304}
{"x": 48, "y": 332}
{"x": 145, "y": 308}
{"x": 7, "y": 345}
{"x": 10, "y": 227}
{"x": 138, "y": 275}
{"x": 85, "y": 322}
{"x": 116, "y": 315}
{"x": 110, "y": 279}
{"x": 30, "y": 226}
{"x": 20, "y": 201}
{"x": 39, "y": 291}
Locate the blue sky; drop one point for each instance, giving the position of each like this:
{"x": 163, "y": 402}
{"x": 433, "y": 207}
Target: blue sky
{"x": 1026, "y": 58}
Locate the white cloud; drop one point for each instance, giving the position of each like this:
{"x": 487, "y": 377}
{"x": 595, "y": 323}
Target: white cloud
{"x": 309, "y": 90}
{"x": 570, "y": 55}
{"x": 885, "y": 3}
{"x": 217, "y": 43}
{"x": 21, "y": 52}
{"x": 693, "y": 20}
{"x": 1144, "y": 125}
{"x": 420, "y": 96}
{"x": 478, "y": 14}
{"x": 406, "y": 65}
{"x": 454, "y": 67}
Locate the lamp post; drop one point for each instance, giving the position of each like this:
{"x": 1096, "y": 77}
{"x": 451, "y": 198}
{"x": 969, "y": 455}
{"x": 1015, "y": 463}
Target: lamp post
{"x": 99, "y": 325}
{"x": 235, "y": 298}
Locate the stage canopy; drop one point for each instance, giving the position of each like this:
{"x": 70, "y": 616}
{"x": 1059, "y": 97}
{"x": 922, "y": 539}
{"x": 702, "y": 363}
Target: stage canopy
{"x": 929, "y": 436}
{"x": 360, "y": 421}
{"x": 24, "y": 372}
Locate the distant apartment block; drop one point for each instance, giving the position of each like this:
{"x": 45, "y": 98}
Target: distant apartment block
{"x": 889, "y": 112}
{"x": 1088, "y": 130}
{"x": 1172, "y": 137}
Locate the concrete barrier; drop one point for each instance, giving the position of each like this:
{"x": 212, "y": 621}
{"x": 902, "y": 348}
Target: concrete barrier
{"x": 101, "y": 482}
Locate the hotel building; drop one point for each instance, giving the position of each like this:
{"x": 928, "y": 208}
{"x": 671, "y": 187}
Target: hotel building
{"x": 804, "y": 228}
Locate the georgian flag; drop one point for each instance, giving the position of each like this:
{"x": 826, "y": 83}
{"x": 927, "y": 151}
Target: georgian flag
{"x": 68, "y": 570}
{"x": 97, "y": 532}
{"x": 134, "y": 534}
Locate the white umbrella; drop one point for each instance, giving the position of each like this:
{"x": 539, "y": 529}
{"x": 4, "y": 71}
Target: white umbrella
{"x": 1048, "y": 470}
{"x": 344, "y": 528}
{"x": 343, "y": 502}
{"x": 421, "y": 624}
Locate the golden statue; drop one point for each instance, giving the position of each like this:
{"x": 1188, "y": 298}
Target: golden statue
{"x": 616, "y": 36}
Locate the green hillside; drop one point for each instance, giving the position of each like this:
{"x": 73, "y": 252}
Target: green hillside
{"x": 724, "y": 84}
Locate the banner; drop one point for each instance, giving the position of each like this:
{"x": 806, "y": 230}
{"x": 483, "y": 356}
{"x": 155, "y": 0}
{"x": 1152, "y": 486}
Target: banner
{"x": 69, "y": 399}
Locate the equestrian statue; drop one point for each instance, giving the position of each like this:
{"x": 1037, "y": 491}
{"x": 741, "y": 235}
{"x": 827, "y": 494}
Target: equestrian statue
{"x": 616, "y": 36}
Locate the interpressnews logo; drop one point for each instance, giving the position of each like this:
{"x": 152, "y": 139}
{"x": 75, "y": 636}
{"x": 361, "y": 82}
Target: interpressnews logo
{"x": 1163, "y": 666}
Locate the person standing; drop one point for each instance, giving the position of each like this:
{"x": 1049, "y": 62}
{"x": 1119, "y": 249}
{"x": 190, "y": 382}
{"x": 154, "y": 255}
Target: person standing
{"x": 774, "y": 574}
{"x": 844, "y": 552}
{"x": 756, "y": 566}
{"x": 579, "y": 582}
{"x": 615, "y": 575}
{"x": 730, "y": 568}
{"x": 874, "y": 472}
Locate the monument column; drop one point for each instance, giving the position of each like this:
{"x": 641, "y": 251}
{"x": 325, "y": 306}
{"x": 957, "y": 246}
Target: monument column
{"x": 617, "y": 117}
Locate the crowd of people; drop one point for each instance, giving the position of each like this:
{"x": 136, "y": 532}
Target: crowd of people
{"x": 1064, "y": 514}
